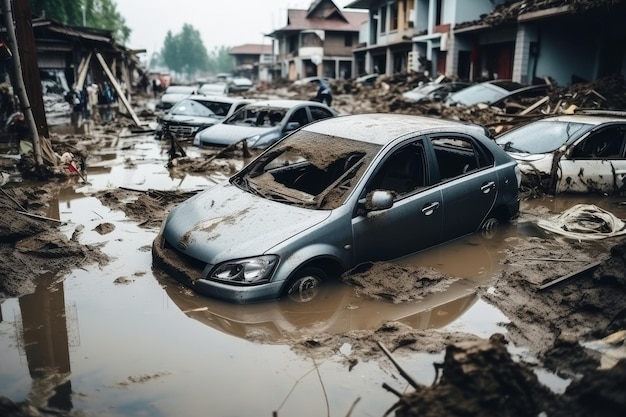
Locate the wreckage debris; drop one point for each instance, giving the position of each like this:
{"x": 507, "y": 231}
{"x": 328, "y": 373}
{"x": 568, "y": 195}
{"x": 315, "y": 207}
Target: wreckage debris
{"x": 385, "y": 96}
{"x": 585, "y": 222}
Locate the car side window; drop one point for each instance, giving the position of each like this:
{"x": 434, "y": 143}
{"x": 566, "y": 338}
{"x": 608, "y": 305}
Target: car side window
{"x": 318, "y": 113}
{"x": 604, "y": 144}
{"x": 457, "y": 156}
{"x": 300, "y": 116}
{"x": 403, "y": 172}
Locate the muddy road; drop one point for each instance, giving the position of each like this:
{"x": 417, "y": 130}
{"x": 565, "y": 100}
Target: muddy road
{"x": 89, "y": 328}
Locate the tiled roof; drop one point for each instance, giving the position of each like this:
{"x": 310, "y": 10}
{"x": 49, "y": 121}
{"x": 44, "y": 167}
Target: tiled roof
{"x": 297, "y": 20}
{"x": 251, "y": 49}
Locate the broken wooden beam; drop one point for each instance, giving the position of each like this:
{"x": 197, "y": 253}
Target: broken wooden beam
{"x": 118, "y": 89}
{"x": 574, "y": 274}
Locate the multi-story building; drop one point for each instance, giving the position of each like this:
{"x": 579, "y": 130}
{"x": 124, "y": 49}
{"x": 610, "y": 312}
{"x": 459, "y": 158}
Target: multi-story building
{"x": 483, "y": 39}
{"x": 254, "y": 61}
{"x": 318, "y": 41}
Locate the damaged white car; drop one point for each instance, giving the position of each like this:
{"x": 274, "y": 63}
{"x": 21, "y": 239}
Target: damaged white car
{"x": 577, "y": 153}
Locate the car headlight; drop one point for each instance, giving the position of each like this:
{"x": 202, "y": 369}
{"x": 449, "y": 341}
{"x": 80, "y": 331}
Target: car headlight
{"x": 247, "y": 271}
{"x": 196, "y": 139}
{"x": 518, "y": 175}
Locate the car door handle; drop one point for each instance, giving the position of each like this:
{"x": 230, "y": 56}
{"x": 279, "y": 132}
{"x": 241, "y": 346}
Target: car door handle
{"x": 430, "y": 208}
{"x": 487, "y": 187}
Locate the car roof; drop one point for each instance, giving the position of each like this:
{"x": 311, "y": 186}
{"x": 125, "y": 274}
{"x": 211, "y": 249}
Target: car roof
{"x": 594, "y": 119}
{"x": 382, "y": 128}
{"x": 221, "y": 99}
{"x": 180, "y": 88}
{"x": 287, "y": 104}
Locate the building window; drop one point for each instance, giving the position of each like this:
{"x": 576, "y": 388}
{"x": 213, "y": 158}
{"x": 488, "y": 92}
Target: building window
{"x": 311, "y": 39}
{"x": 348, "y": 40}
{"x": 393, "y": 16}
{"x": 383, "y": 19}
{"x": 438, "y": 12}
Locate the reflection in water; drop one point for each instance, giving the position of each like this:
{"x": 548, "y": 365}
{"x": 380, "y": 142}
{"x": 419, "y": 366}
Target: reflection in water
{"x": 45, "y": 341}
{"x": 474, "y": 259}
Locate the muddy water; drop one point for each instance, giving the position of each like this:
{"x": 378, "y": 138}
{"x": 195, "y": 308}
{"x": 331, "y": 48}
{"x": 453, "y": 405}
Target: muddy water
{"x": 124, "y": 340}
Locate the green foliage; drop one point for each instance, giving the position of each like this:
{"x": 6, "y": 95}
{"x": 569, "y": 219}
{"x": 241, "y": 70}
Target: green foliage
{"x": 185, "y": 53}
{"x": 98, "y": 14}
{"x": 220, "y": 60}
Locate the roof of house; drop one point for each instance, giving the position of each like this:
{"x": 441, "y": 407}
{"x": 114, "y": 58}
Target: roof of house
{"x": 323, "y": 15}
{"x": 251, "y": 49}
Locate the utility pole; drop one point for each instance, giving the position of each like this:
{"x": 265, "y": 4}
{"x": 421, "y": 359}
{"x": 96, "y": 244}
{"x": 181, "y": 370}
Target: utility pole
{"x": 19, "y": 79}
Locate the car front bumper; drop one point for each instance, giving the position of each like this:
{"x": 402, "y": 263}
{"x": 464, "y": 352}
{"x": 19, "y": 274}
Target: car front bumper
{"x": 191, "y": 276}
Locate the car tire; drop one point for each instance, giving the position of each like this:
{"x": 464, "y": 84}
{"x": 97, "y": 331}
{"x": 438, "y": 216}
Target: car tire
{"x": 489, "y": 227}
{"x": 304, "y": 286}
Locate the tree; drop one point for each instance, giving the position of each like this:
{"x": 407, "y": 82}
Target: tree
{"x": 97, "y": 14}
{"x": 220, "y": 60}
{"x": 185, "y": 53}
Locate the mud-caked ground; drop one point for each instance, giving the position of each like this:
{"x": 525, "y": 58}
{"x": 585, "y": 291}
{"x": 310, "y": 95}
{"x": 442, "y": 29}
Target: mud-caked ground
{"x": 574, "y": 328}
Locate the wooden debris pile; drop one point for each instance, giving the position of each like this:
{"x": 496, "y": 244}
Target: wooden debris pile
{"x": 510, "y": 10}
{"x": 385, "y": 96}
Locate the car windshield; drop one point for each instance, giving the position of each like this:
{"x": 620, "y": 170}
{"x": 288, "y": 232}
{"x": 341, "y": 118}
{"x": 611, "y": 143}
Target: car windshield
{"x": 257, "y": 116}
{"x": 542, "y": 136}
{"x": 200, "y": 108}
{"x": 308, "y": 169}
{"x": 477, "y": 94}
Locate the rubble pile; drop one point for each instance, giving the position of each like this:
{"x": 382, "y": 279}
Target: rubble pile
{"x": 385, "y": 96}
{"x": 510, "y": 10}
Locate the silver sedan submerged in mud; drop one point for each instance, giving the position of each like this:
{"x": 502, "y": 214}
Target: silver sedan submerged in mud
{"x": 332, "y": 195}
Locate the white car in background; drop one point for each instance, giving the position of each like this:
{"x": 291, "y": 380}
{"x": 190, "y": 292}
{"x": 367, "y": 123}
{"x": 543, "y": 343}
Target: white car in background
{"x": 173, "y": 94}
{"x": 577, "y": 153}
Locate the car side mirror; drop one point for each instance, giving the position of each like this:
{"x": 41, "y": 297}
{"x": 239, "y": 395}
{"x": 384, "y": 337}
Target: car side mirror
{"x": 292, "y": 126}
{"x": 378, "y": 200}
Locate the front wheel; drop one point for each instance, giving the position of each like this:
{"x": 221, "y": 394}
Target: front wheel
{"x": 304, "y": 286}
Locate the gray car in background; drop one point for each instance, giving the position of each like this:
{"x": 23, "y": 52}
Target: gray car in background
{"x": 263, "y": 123}
{"x": 335, "y": 194}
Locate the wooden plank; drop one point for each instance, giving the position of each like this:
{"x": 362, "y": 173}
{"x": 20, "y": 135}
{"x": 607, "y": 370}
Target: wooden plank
{"x": 535, "y": 106}
{"x": 83, "y": 68}
{"x": 570, "y": 275}
{"x": 118, "y": 89}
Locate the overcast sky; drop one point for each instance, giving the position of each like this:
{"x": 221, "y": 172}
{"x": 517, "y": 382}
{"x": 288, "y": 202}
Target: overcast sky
{"x": 225, "y": 22}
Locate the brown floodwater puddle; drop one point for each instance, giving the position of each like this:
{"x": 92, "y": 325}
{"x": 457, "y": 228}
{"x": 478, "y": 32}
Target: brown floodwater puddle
{"x": 124, "y": 340}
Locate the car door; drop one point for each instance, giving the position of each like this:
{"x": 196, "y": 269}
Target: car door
{"x": 413, "y": 222}
{"x": 468, "y": 182}
{"x": 595, "y": 163}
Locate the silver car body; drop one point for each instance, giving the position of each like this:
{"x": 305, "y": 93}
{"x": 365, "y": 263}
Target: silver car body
{"x": 173, "y": 94}
{"x": 293, "y": 229}
{"x": 590, "y": 152}
{"x": 253, "y": 123}
{"x": 196, "y": 112}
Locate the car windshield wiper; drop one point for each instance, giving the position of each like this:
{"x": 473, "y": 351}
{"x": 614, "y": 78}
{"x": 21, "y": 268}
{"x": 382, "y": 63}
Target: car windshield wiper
{"x": 509, "y": 148}
{"x": 245, "y": 185}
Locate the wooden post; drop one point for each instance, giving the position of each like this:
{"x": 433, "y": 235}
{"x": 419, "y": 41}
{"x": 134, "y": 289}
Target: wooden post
{"x": 19, "y": 81}
{"x": 30, "y": 67}
{"x": 118, "y": 89}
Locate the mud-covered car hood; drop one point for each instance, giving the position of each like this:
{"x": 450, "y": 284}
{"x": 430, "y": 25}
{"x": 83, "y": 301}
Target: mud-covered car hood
{"x": 532, "y": 163}
{"x": 226, "y": 223}
{"x": 223, "y": 134}
{"x": 195, "y": 120}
